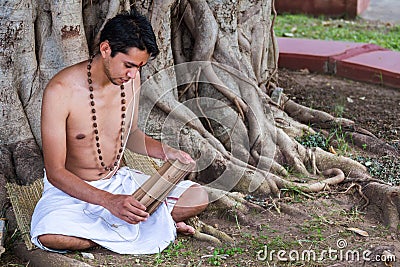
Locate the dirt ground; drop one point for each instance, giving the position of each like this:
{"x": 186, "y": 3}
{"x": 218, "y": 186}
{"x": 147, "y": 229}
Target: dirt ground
{"x": 326, "y": 229}
{"x": 373, "y": 107}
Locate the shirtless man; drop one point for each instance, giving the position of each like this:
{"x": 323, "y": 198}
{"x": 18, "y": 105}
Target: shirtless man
{"x": 86, "y": 113}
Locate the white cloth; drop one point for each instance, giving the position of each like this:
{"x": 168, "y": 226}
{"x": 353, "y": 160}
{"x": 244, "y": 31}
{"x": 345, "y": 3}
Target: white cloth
{"x": 59, "y": 213}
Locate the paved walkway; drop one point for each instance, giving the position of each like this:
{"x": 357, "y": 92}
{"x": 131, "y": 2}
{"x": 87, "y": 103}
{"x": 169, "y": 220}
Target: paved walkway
{"x": 357, "y": 61}
{"x": 383, "y": 10}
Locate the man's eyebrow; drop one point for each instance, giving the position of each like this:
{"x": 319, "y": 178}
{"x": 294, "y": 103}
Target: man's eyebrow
{"x": 131, "y": 64}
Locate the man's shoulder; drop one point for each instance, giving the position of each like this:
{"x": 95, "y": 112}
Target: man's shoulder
{"x": 68, "y": 78}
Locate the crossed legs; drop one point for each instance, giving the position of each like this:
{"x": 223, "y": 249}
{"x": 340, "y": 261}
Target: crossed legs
{"x": 193, "y": 201}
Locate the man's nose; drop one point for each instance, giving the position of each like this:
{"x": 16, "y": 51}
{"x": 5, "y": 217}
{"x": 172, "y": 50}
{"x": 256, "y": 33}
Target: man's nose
{"x": 132, "y": 72}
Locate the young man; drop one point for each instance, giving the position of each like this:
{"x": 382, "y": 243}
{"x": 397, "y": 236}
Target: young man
{"x": 89, "y": 112}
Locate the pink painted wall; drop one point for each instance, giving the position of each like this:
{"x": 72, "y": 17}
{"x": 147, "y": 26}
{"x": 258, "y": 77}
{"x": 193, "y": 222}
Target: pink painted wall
{"x": 336, "y": 8}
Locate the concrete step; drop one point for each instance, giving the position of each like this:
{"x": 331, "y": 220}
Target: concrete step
{"x": 357, "y": 61}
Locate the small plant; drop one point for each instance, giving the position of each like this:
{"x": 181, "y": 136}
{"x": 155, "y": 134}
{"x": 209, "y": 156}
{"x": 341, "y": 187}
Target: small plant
{"x": 215, "y": 259}
{"x": 173, "y": 250}
{"x": 339, "y": 136}
{"x": 364, "y": 146}
{"x": 294, "y": 192}
{"x": 386, "y": 168}
{"x": 313, "y": 140}
{"x": 339, "y": 110}
{"x": 354, "y": 214}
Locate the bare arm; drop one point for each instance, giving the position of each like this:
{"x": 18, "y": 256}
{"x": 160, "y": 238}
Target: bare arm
{"x": 55, "y": 112}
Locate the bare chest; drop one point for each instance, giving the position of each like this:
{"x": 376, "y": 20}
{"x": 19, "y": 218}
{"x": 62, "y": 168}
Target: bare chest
{"x": 101, "y": 119}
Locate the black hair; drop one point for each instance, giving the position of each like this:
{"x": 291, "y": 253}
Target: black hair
{"x": 127, "y": 30}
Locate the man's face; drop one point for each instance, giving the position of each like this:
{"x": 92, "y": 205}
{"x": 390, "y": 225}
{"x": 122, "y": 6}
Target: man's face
{"x": 123, "y": 67}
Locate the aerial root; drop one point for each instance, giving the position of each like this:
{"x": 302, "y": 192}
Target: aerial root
{"x": 359, "y": 190}
{"x": 113, "y": 8}
{"x": 322, "y": 185}
{"x": 312, "y": 162}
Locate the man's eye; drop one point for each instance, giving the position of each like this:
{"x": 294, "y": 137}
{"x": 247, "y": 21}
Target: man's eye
{"x": 130, "y": 66}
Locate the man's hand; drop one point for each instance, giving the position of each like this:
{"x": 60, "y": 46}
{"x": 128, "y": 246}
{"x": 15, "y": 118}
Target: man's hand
{"x": 172, "y": 154}
{"x": 127, "y": 208}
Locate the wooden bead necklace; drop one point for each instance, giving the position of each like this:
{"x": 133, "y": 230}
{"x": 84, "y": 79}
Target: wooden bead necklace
{"x": 95, "y": 125}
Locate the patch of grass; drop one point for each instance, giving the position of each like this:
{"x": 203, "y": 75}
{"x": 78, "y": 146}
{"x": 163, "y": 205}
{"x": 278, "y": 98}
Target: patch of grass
{"x": 267, "y": 227}
{"x": 354, "y": 215}
{"x": 280, "y": 243}
{"x": 339, "y": 110}
{"x": 314, "y": 229}
{"x": 171, "y": 252}
{"x": 323, "y": 28}
{"x": 221, "y": 254}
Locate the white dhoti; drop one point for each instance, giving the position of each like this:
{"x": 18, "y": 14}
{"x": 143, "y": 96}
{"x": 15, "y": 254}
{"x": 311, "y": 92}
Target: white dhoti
{"x": 59, "y": 213}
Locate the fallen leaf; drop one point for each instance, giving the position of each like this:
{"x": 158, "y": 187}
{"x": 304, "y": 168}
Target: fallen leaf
{"x": 288, "y": 34}
{"x": 358, "y": 231}
{"x": 304, "y": 71}
{"x": 87, "y": 255}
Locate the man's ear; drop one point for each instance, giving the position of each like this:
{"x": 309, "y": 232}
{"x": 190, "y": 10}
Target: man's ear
{"x": 105, "y": 49}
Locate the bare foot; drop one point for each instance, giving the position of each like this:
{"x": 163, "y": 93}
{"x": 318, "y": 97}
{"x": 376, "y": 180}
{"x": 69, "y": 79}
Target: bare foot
{"x": 185, "y": 229}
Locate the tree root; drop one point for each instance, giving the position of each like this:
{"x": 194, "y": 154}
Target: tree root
{"x": 385, "y": 202}
{"x": 233, "y": 203}
{"x": 371, "y": 144}
{"x": 292, "y": 211}
{"x": 205, "y": 232}
{"x": 21, "y": 162}
{"x": 315, "y": 187}
{"x": 326, "y": 160}
{"x": 312, "y": 117}
{"x": 234, "y": 200}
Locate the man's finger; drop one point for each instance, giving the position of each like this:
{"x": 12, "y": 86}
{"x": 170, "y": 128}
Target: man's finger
{"x": 135, "y": 203}
{"x": 137, "y": 218}
{"x": 139, "y": 212}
